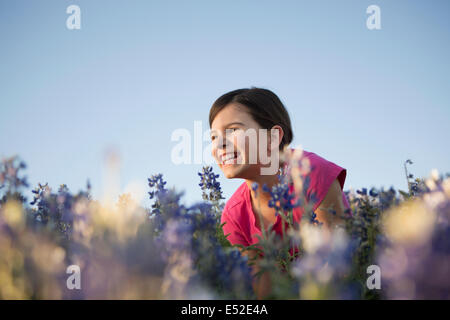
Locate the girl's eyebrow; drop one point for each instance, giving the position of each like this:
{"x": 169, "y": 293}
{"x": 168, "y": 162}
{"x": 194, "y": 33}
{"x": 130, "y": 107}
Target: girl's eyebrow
{"x": 235, "y": 122}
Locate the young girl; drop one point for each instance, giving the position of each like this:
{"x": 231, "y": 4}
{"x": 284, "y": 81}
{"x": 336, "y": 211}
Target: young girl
{"x": 231, "y": 118}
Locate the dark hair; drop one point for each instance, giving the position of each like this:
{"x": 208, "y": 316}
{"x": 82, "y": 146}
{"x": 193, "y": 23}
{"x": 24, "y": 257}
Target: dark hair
{"x": 263, "y": 105}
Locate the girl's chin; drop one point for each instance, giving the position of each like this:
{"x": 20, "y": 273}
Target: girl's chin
{"x": 236, "y": 170}
{"x": 230, "y": 170}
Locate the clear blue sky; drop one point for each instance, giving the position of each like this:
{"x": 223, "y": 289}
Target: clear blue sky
{"x": 137, "y": 70}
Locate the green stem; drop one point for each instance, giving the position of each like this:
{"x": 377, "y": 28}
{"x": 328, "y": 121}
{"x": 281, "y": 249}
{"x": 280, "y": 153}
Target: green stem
{"x": 407, "y": 178}
{"x": 263, "y": 229}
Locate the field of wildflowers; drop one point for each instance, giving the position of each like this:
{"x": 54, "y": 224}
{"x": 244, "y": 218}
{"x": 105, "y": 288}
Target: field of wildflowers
{"x": 173, "y": 251}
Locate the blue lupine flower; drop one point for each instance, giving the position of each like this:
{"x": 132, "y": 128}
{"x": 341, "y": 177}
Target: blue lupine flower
{"x": 11, "y": 181}
{"x": 362, "y": 192}
{"x": 159, "y": 193}
{"x": 210, "y": 186}
{"x": 373, "y": 192}
{"x": 281, "y": 199}
{"x": 313, "y": 219}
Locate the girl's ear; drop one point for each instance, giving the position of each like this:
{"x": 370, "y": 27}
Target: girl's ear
{"x": 276, "y": 133}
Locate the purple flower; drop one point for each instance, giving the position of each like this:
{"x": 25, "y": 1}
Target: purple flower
{"x": 210, "y": 186}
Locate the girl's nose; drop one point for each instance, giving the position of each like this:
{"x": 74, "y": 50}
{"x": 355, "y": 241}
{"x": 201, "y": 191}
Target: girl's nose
{"x": 222, "y": 142}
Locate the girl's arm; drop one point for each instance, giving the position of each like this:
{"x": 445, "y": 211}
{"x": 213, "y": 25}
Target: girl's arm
{"x": 262, "y": 285}
{"x": 332, "y": 200}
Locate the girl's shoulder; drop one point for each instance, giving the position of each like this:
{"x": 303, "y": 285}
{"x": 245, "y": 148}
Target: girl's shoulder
{"x": 237, "y": 201}
{"x": 314, "y": 160}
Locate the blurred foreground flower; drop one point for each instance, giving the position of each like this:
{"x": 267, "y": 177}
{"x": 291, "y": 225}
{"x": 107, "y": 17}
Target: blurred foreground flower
{"x": 415, "y": 260}
{"x": 174, "y": 251}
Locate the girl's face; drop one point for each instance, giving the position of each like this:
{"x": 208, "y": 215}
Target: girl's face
{"x": 235, "y": 140}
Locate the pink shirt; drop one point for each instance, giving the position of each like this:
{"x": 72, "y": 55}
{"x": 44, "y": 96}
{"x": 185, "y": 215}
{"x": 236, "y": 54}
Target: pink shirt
{"x": 238, "y": 212}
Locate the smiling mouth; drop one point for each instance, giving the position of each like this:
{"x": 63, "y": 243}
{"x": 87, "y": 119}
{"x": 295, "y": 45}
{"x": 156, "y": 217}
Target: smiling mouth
{"x": 229, "y": 158}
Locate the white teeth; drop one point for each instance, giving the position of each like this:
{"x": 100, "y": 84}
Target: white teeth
{"x": 228, "y": 158}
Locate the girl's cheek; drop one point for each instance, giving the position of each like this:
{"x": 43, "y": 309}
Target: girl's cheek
{"x": 214, "y": 150}
{"x": 239, "y": 141}
{"x": 245, "y": 146}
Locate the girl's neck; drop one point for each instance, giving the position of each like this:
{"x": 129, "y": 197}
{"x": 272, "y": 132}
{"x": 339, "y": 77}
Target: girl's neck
{"x": 269, "y": 180}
